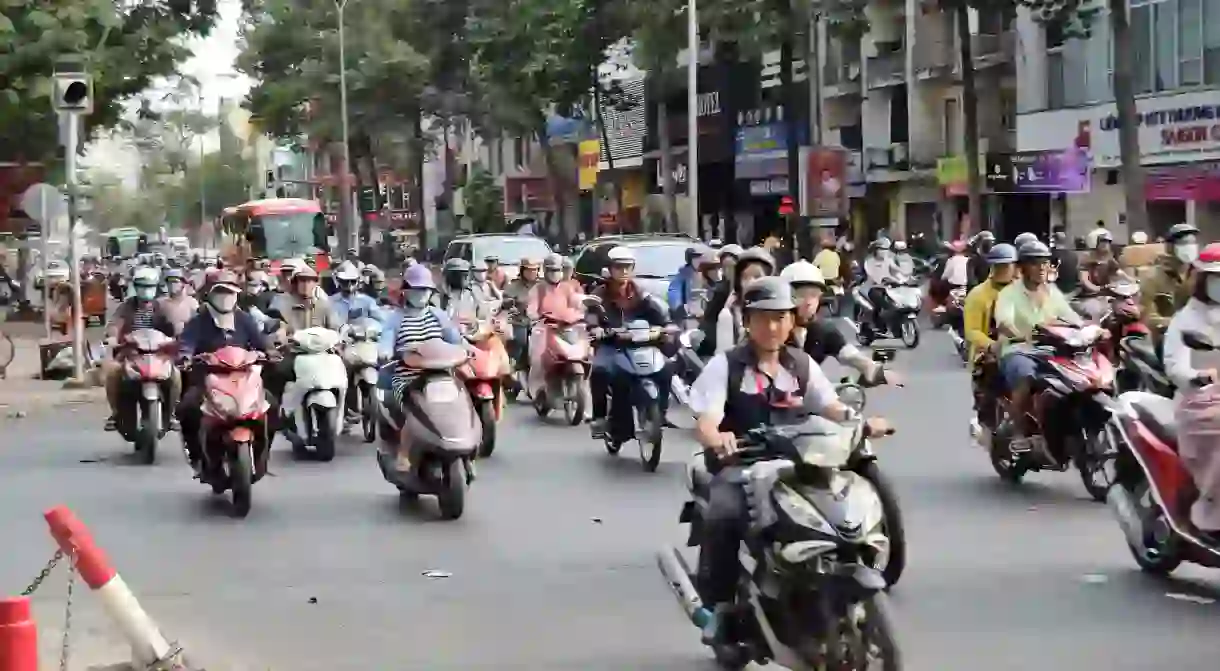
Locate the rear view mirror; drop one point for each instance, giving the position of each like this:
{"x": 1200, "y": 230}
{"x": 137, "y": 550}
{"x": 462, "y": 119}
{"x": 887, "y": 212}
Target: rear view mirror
{"x": 885, "y": 355}
{"x": 1197, "y": 341}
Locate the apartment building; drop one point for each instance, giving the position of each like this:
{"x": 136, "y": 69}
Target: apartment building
{"x": 893, "y": 99}
{"x": 1065, "y": 106}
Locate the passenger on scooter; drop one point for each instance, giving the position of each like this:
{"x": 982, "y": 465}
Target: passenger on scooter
{"x": 495, "y": 274}
{"x": 297, "y": 310}
{"x": 551, "y": 295}
{"x": 1195, "y": 375}
{"x": 681, "y": 285}
{"x": 347, "y": 303}
{"x": 418, "y": 321}
{"x": 879, "y": 272}
{"x": 177, "y": 304}
{"x": 1168, "y": 288}
{"x": 622, "y": 302}
{"x": 480, "y": 283}
{"x": 756, "y": 383}
{"x": 1096, "y": 274}
{"x": 903, "y": 259}
{"x": 978, "y": 325}
{"x": 219, "y": 324}
{"x": 820, "y": 338}
{"x": 977, "y": 269}
{"x": 1020, "y": 307}
{"x": 141, "y": 311}
{"x": 751, "y": 265}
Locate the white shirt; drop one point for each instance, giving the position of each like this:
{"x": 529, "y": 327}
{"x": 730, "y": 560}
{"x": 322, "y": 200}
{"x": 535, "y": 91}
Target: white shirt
{"x": 1182, "y": 364}
{"x": 1091, "y": 238}
{"x": 727, "y": 326}
{"x": 710, "y": 392}
{"x": 957, "y": 270}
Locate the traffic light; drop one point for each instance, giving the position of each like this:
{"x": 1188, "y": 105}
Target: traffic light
{"x": 786, "y": 208}
{"x": 367, "y": 199}
{"x": 72, "y": 92}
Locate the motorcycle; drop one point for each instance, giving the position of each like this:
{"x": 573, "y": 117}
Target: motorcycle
{"x": 687, "y": 366}
{"x": 565, "y": 366}
{"x": 635, "y": 411}
{"x": 428, "y": 441}
{"x": 1071, "y": 404}
{"x": 951, "y": 314}
{"x": 1152, "y": 491}
{"x": 361, "y": 356}
{"x": 832, "y": 300}
{"x": 1139, "y": 364}
{"x": 313, "y": 403}
{"x": 234, "y": 428}
{"x": 146, "y": 356}
{"x": 484, "y": 381}
{"x": 517, "y": 346}
{"x": 811, "y": 591}
{"x": 901, "y": 318}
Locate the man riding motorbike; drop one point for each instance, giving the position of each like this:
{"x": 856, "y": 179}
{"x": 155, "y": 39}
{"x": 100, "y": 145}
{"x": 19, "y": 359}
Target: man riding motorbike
{"x": 820, "y": 338}
{"x": 140, "y": 311}
{"x": 347, "y": 303}
{"x": 1195, "y": 374}
{"x": 219, "y": 324}
{"x": 977, "y": 324}
{"x": 177, "y": 304}
{"x": 256, "y": 299}
{"x": 681, "y": 285}
{"x": 757, "y": 383}
{"x": 297, "y": 310}
{"x": 1101, "y": 268}
{"x": 977, "y": 269}
{"x": 751, "y": 265}
{"x": 720, "y": 296}
{"x": 479, "y": 281}
{"x": 903, "y": 259}
{"x": 458, "y": 297}
{"x": 622, "y": 301}
{"x": 1170, "y": 280}
{"x": 879, "y": 271}
{"x": 374, "y": 285}
{"x": 1019, "y": 308}
{"x": 518, "y": 290}
{"x": 708, "y": 279}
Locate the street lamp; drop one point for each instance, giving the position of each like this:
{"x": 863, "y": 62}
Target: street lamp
{"x": 353, "y": 230}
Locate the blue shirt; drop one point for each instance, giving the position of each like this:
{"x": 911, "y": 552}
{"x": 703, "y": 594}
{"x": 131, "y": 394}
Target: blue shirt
{"x": 201, "y": 335}
{"x": 361, "y": 304}
{"x": 679, "y": 287}
{"x": 385, "y": 346}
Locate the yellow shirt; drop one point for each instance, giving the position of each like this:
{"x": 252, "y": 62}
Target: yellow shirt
{"x": 828, "y": 262}
{"x": 976, "y": 318}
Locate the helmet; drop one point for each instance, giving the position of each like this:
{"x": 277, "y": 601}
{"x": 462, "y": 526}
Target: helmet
{"x": 568, "y": 263}
{"x": 1180, "y": 231}
{"x": 491, "y": 258}
{"x": 304, "y": 273}
{"x": 768, "y": 293}
{"x": 708, "y": 259}
{"x": 456, "y": 265}
{"x": 1209, "y": 259}
{"x": 290, "y": 266}
{"x": 175, "y": 274}
{"x": 257, "y": 277}
{"x": 620, "y": 256}
{"x": 146, "y": 276}
{"x": 479, "y": 266}
{"x": 756, "y": 255}
{"x": 1033, "y": 250}
{"x": 982, "y": 237}
{"x": 225, "y": 279}
{"x": 1104, "y": 236}
{"x": 530, "y": 263}
{"x": 1002, "y": 253}
{"x": 900, "y": 245}
{"x": 1024, "y": 238}
{"x": 731, "y": 250}
{"x": 692, "y": 253}
{"x": 553, "y": 262}
{"x": 346, "y": 272}
{"x": 1139, "y": 238}
{"x": 880, "y": 243}
{"x": 803, "y": 272}
{"x": 418, "y": 277}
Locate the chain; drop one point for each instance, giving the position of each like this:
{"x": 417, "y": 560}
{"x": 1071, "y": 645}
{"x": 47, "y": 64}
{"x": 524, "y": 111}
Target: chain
{"x": 64, "y": 647}
{"x": 43, "y": 574}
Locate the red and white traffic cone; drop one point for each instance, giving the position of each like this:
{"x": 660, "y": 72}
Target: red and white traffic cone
{"x": 18, "y": 635}
{"x": 148, "y": 645}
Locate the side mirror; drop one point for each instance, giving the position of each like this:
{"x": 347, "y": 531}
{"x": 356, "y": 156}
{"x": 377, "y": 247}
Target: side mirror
{"x": 885, "y": 355}
{"x": 591, "y": 302}
{"x": 270, "y": 326}
{"x": 1197, "y": 341}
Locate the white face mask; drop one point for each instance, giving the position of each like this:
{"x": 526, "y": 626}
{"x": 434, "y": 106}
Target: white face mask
{"x": 174, "y": 288}
{"x": 417, "y": 298}
{"x": 1186, "y": 253}
{"x": 553, "y": 276}
{"x": 223, "y": 302}
{"x": 146, "y": 293}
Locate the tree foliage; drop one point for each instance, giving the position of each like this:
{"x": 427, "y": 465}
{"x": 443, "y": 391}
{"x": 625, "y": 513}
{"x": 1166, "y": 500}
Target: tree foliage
{"x": 128, "y": 46}
{"x": 484, "y": 200}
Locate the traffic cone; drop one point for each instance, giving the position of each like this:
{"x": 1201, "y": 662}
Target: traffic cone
{"x": 18, "y": 635}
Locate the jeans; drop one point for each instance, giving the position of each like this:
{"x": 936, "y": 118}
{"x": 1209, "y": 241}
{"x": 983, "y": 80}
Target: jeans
{"x": 600, "y": 381}
{"x": 1016, "y": 366}
{"x": 880, "y": 301}
{"x": 190, "y": 415}
{"x": 724, "y": 525}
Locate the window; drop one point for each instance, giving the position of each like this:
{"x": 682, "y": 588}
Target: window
{"x": 1190, "y": 42}
{"x": 1056, "y": 96}
{"x": 511, "y": 249}
{"x": 592, "y": 260}
{"x": 1141, "y": 44}
{"x": 1165, "y": 47}
{"x": 659, "y": 261}
{"x": 1211, "y": 42}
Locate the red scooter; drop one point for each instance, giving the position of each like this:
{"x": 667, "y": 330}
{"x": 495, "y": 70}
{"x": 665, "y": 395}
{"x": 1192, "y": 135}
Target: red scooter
{"x": 565, "y": 365}
{"x": 147, "y": 359}
{"x": 484, "y": 376}
{"x": 234, "y": 428}
{"x": 1071, "y": 404}
{"x": 1152, "y": 491}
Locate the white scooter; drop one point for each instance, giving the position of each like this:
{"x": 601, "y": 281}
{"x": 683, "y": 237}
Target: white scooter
{"x": 360, "y": 356}
{"x": 312, "y": 408}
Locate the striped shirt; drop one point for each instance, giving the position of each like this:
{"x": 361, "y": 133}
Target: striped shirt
{"x": 142, "y": 316}
{"x": 414, "y": 328}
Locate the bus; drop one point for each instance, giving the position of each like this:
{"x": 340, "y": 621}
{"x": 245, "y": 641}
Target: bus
{"x": 275, "y": 229}
{"x": 125, "y": 242}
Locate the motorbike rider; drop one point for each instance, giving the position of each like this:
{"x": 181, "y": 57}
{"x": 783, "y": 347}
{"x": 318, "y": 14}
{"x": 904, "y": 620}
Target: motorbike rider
{"x": 459, "y": 298}
{"x": 756, "y": 383}
{"x": 179, "y": 306}
{"x": 707, "y": 280}
{"x": 903, "y": 259}
{"x": 418, "y": 320}
{"x": 518, "y": 291}
{"x": 828, "y": 260}
{"x": 219, "y": 324}
{"x": 820, "y": 338}
{"x": 495, "y": 273}
{"x": 977, "y": 269}
{"x": 1019, "y": 308}
{"x": 879, "y": 271}
{"x": 374, "y": 285}
{"x": 551, "y": 295}
{"x": 622, "y": 301}
{"x": 347, "y": 303}
{"x": 681, "y": 285}
{"x": 1067, "y": 266}
{"x": 719, "y": 297}
{"x": 1195, "y": 375}
{"x": 1096, "y": 274}
{"x": 977, "y": 323}
{"x": 751, "y": 265}
{"x": 1168, "y": 288}
{"x": 297, "y": 310}
{"x": 480, "y": 283}
{"x": 140, "y": 311}
{"x": 569, "y": 275}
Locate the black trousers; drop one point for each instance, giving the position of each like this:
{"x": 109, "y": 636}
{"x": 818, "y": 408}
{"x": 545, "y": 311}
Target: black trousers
{"x": 724, "y": 526}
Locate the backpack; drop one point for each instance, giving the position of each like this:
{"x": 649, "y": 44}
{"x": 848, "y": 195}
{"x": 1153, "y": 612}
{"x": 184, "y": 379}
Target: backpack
{"x": 793, "y": 360}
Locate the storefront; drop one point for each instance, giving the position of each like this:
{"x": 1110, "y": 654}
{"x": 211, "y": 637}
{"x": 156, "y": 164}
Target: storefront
{"x": 1179, "y": 137}
{"x": 760, "y": 156}
{"x": 620, "y": 178}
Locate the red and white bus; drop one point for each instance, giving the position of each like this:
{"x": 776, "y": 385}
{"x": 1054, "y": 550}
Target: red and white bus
{"x": 276, "y": 229}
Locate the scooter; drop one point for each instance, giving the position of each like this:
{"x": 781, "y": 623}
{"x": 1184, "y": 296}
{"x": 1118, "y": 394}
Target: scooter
{"x": 1152, "y": 491}
{"x": 565, "y": 366}
{"x": 233, "y": 433}
{"x": 428, "y": 441}
{"x": 146, "y": 356}
{"x": 951, "y": 315}
{"x": 687, "y": 366}
{"x": 361, "y": 356}
{"x": 484, "y": 378}
{"x": 900, "y": 319}
{"x": 642, "y": 370}
{"x": 312, "y": 407}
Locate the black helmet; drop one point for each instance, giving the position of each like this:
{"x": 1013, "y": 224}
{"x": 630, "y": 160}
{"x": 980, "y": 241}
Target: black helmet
{"x": 770, "y": 293}
{"x": 1033, "y": 250}
{"x": 692, "y": 253}
{"x": 1180, "y": 231}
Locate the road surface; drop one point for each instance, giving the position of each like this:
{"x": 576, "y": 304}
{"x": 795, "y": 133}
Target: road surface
{"x": 552, "y": 568}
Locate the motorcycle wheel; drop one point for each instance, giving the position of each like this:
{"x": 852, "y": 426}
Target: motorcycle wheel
{"x": 324, "y": 445}
{"x": 241, "y": 478}
{"x": 1163, "y": 555}
{"x": 909, "y": 329}
{"x": 149, "y": 432}
{"x": 452, "y": 499}
{"x": 652, "y": 429}
{"x": 487, "y": 415}
{"x": 1004, "y": 463}
{"x": 574, "y": 406}
{"x": 879, "y": 632}
{"x": 541, "y": 405}
{"x": 1091, "y": 464}
{"x": 893, "y": 526}
{"x": 368, "y": 418}
{"x": 731, "y": 656}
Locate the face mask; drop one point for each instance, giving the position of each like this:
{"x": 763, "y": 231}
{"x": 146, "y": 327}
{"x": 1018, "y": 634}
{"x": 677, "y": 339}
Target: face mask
{"x": 417, "y": 298}
{"x": 553, "y": 276}
{"x": 146, "y": 293}
{"x": 1187, "y": 253}
{"x": 174, "y": 288}
{"x": 223, "y": 302}
{"x": 254, "y": 288}
{"x": 479, "y": 277}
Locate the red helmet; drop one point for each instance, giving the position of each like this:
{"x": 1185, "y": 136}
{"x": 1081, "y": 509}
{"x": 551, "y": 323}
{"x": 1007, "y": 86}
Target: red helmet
{"x": 1209, "y": 259}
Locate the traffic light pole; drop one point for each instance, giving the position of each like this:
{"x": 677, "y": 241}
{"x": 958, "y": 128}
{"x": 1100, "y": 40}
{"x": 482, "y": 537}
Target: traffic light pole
{"x": 76, "y": 319}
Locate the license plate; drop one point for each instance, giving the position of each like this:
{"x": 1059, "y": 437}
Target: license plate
{"x": 642, "y": 359}
{"x": 641, "y": 336}
{"x": 444, "y": 391}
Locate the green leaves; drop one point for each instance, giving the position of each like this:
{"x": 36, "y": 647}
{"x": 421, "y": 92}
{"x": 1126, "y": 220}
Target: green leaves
{"x": 1074, "y": 17}
{"x": 484, "y": 201}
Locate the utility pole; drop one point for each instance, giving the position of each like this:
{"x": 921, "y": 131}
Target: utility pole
{"x": 72, "y": 98}
{"x": 692, "y": 117}
{"x": 351, "y": 227}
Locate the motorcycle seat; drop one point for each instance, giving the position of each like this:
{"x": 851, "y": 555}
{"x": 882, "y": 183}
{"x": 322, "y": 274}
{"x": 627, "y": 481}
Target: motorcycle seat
{"x": 700, "y": 477}
{"x": 1157, "y": 414}
{"x": 1143, "y": 349}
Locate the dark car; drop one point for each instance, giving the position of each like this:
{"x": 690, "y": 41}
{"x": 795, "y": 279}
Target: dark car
{"x": 657, "y": 259}
{"x": 509, "y": 247}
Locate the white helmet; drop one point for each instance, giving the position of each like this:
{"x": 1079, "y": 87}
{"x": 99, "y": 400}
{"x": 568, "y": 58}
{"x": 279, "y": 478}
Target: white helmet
{"x": 146, "y": 276}
{"x": 803, "y": 272}
{"x": 1139, "y": 238}
{"x": 731, "y": 250}
{"x": 900, "y": 246}
{"x": 290, "y": 266}
{"x": 620, "y": 256}
{"x": 346, "y": 272}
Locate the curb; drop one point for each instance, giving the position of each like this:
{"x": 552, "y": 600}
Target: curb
{"x": 19, "y": 406}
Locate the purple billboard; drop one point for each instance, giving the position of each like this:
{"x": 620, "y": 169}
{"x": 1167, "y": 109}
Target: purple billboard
{"x": 1060, "y": 171}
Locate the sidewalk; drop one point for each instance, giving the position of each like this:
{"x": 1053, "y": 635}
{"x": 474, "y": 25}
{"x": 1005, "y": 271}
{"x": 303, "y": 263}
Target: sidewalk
{"x": 22, "y": 393}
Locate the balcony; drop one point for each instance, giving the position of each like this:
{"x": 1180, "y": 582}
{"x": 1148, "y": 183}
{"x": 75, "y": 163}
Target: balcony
{"x": 886, "y": 69}
{"x": 892, "y": 158}
{"x": 992, "y": 50}
{"x": 841, "y": 79}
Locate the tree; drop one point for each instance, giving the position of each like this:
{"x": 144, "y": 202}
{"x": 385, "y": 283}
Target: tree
{"x": 114, "y": 204}
{"x": 484, "y": 201}
{"x": 127, "y": 45}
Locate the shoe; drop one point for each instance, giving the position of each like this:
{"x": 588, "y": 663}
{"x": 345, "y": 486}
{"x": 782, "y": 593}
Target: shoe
{"x": 197, "y": 469}
{"x": 111, "y": 424}
{"x": 173, "y": 424}
{"x": 597, "y": 428}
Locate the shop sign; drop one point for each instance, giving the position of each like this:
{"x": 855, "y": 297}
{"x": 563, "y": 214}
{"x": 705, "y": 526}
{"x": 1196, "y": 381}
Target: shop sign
{"x": 708, "y": 103}
{"x": 678, "y": 170}
{"x": 588, "y": 152}
{"x": 626, "y": 126}
{"x": 769, "y": 187}
{"x": 826, "y": 193}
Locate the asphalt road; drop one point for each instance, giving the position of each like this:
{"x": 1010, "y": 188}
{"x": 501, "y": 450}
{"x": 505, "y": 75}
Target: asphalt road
{"x": 553, "y": 565}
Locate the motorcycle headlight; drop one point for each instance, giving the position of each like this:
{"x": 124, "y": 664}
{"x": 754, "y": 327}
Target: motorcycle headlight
{"x": 799, "y": 510}
{"x": 224, "y": 405}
